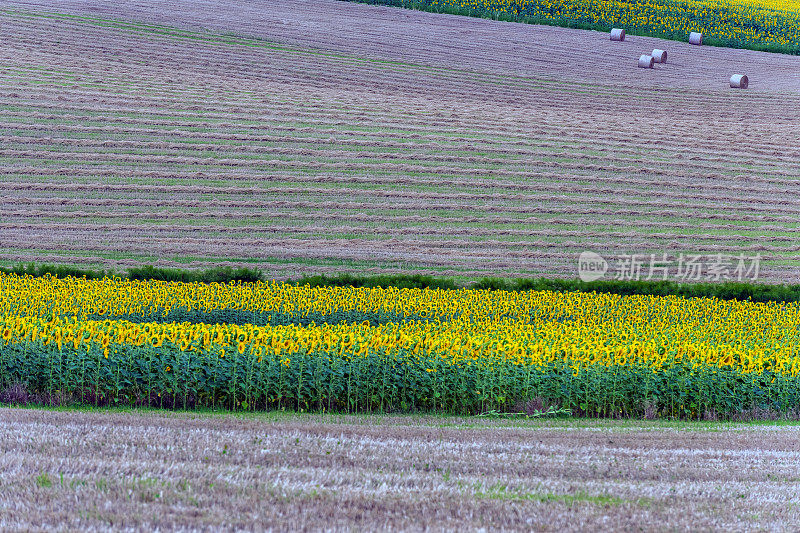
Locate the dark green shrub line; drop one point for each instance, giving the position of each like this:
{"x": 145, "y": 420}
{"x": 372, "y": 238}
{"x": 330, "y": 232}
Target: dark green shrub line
{"x": 382, "y": 382}
{"x": 528, "y": 16}
{"x": 211, "y": 275}
{"x": 757, "y": 292}
{"x": 58, "y": 271}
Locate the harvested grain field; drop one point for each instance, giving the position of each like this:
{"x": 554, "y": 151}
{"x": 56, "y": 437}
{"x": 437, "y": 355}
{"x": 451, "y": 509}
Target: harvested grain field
{"x": 321, "y": 136}
{"x": 141, "y": 471}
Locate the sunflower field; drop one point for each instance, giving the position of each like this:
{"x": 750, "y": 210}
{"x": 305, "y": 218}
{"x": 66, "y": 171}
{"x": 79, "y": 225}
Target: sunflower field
{"x": 771, "y": 25}
{"x": 267, "y": 345}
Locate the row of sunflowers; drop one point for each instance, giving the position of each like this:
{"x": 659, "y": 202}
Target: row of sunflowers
{"x": 387, "y": 349}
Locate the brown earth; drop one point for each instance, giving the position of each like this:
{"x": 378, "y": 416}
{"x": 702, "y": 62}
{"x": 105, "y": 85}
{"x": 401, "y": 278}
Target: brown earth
{"x": 90, "y": 471}
{"x": 323, "y": 136}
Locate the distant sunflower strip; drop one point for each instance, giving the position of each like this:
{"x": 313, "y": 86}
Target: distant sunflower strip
{"x": 761, "y": 24}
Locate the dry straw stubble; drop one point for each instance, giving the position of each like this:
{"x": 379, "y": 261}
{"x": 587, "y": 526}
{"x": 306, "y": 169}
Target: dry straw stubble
{"x": 95, "y": 471}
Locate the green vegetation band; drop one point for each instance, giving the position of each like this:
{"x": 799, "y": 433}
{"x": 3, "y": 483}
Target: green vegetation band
{"x": 377, "y": 382}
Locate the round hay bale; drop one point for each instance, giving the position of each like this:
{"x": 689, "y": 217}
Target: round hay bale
{"x": 659, "y": 56}
{"x": 696, "y": 38}
{"x": 617, "y": 34}
{"x": 739, "y": 81}
{"x": 646, "y": 61}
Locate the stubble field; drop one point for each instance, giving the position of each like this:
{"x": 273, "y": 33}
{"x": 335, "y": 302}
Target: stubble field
{"x": 146, "y": 471}
{"x": 324, "y": 136}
